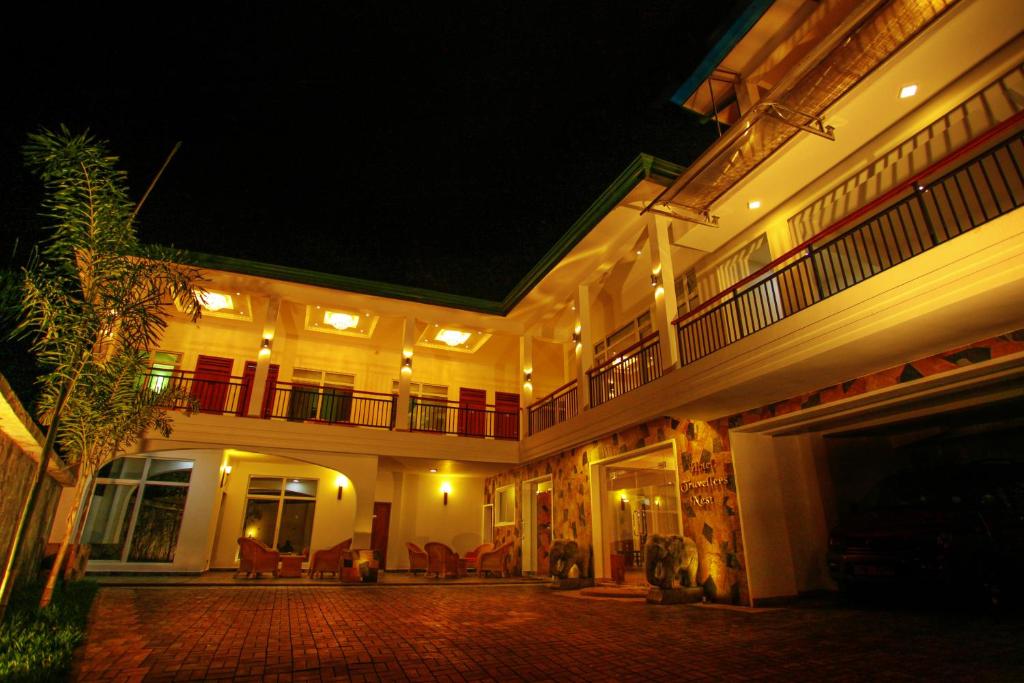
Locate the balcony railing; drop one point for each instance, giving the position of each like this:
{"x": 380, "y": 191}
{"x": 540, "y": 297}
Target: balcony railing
{"x": 451, "y": 417}
{"x": 186, "y": 391}
{"x": 633, "y": 368}
{"x": 557, "y": 407}
{"x": 330, "y": 405}
{"x": 903, "y": 223}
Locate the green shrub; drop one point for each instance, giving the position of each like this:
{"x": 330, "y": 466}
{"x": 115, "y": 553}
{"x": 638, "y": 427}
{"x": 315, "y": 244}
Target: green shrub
{"x": 37, "y": 645}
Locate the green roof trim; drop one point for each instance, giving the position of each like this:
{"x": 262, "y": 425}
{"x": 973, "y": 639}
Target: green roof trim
{"x": 721, "y": 49}
{"x": 643, "y": 167}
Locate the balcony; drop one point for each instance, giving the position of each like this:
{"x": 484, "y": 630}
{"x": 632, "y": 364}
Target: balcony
{"x": 560, "y": 405}
{"x": 633, "y": 368}
{"x": 913, "y": 218}
{"x": 462, "y": 419}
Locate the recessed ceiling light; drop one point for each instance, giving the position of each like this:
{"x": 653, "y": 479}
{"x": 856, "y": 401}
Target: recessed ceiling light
{"x": 908, "y": 91}
{"x": 340, "y": 321}
{"x": 238, "y": 294}
{"x": 433, "y": 470}
{"x": 755, "y": 204}
{"x": 452, "y": 337}
{"x": 214, "y": 301}
{"x": 639, "y": 251}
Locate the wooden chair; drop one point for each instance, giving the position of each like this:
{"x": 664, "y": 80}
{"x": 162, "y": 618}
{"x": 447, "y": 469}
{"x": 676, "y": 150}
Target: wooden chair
{"x": 441, "y": 560}
{"x": 255, "y": 558}
{"x": 496, "y": 560}
{"x": 328, "y": 560}
{"x": 417, "y": 557}
{"x": 472, "y": 555}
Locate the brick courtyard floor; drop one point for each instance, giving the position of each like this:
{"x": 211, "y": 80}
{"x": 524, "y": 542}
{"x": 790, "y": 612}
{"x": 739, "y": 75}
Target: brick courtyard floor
{"x": 509, "y": 633}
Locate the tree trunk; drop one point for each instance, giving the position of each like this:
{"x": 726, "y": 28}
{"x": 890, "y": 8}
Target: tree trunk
{"x": 7, "y": 583}
{"x": 69, "y": 532}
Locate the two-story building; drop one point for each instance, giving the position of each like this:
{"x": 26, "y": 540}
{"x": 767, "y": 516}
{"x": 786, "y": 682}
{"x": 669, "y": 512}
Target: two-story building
{"x": 733, "y": 351}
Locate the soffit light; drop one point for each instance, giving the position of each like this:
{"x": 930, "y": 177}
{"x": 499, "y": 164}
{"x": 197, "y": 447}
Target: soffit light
{"x": 452, "y": 337}
{"x": 214, "y": 301}
{"x": 908, "y": 91}
{"x": 340, "y": 321}
{"x": 755, "y": 204}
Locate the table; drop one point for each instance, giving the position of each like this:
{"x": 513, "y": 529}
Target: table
{"x": 291, "y": 566}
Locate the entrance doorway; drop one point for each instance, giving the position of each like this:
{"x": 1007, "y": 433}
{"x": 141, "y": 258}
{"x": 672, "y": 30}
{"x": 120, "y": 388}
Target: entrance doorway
{"x": 379, "y": 531}
{"x": 638, "y": 498}
{"x": 536, "y": 525}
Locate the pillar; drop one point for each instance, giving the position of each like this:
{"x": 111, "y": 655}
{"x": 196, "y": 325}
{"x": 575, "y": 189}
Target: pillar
{"x": 405, "y": 371}
{"x": 526, "y": 373}
{"x": 259, "y": 382}
{"x": 664, "y": 291}
{"x": 585, "y": 347}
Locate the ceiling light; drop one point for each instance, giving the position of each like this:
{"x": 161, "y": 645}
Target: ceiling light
{"x": 452, "y": 337}
{"x": 755, "y": 204}
{"x": 340, "y": 321}
{"x": 433, "y": 470}
{"x": 908, "y": 91}
{"x": 214, "y": 301}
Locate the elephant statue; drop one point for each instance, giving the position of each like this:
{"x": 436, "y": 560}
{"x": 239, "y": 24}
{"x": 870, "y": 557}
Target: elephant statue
{"x": 670, "y": 559}
{"x": 564, "y": 555}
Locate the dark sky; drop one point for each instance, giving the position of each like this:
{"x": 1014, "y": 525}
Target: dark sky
{"x": 439, "y": 145}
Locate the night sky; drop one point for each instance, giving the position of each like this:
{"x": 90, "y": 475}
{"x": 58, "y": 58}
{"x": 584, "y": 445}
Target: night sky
{"x": 445, "y": 147}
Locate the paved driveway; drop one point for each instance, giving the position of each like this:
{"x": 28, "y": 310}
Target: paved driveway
{"x": 506, "y": 633}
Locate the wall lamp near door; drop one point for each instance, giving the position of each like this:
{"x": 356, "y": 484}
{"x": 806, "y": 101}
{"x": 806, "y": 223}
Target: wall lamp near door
{"x": 224, "y": 472}
{"x": 446, "y": 488}
{"x": 342, "y": 481}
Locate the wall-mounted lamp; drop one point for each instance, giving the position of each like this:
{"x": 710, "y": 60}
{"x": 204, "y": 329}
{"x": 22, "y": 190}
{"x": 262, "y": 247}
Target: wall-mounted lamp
{"x": 407, "y": 365}
{"x": 622, "y": 501}
{"x": 265, "y": 344}
{"x": 224, "y": 472}
{"x": 528, "y": 378}
{"x": 341, "y": 481}
{"x": 654, "y": 280}
{"x": 446, "y": 488}
{"x": 576, "y": 337}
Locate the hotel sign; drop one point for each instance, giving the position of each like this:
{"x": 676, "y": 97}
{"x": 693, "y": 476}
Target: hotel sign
{"x": 703, "y": 483}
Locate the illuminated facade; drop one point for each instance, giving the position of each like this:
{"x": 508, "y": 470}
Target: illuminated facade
{"x": 697, "y": 355}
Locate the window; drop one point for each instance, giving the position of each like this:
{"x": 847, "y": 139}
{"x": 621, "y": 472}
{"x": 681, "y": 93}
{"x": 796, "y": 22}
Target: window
{"x": 433, "y": 405}
{"x": 321, "y": 395}
{"x": 162, "y": 369}
{"x": 687, "y": 298}
{"x": 136, "y": 509}
{"x": 624, "y": 337}
{"x": 505, "y": 505}
{"x": 279, "y": 512}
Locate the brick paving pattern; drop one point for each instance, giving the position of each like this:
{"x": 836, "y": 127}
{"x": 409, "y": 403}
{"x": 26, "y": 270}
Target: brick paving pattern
{"x": 522, "y": 633}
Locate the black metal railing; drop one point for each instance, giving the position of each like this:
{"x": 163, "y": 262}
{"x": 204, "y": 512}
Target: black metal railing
{"x": 555, "y": 408}
{"x": 633, "y": 368}
{"x": 330, "y": 405}
{"x": 182, "y": 390}
{"x": 925, "y": 215}
{"x": 450, "y": 417}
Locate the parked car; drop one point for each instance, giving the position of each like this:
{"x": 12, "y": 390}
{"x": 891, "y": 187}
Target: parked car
{"x": 959, "y": 528}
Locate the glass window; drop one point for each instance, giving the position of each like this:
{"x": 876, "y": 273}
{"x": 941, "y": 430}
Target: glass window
{"x": 279, "y": 512}
{"x": 505, "y": 505}
{"x": 137, "y": 508}
{"x": 164, "y": 365}
{"x": 321, "y": 395}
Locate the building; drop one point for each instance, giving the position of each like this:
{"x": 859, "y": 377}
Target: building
{"x": 734, "y": 351}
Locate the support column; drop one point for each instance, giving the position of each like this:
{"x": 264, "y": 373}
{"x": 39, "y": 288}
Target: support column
{"x": 664, "y": 291}
{"x": 405, "y": 373}
{"x": 585, "y": 347}
{"x": 259, "y": 382}
{"x": 526, "y": 373}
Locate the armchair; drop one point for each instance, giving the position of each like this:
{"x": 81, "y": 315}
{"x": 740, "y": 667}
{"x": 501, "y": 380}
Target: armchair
{"x": 441, "y": 560}
{"x": 496, "y": 560}
{"x": 474, "y": 554}
{"x": 417, "y": 557}
{"x": 328, "y": 560}
{"x": 255, "y": 558}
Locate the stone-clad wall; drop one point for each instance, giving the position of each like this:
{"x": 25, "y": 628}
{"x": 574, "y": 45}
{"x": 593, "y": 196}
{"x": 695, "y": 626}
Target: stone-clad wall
{"x": 714, "y": 526}
{"x": 17, "y": 470}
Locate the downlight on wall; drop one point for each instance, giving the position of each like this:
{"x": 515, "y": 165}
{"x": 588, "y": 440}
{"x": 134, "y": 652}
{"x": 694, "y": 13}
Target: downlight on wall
{"x": 908, "y": 90}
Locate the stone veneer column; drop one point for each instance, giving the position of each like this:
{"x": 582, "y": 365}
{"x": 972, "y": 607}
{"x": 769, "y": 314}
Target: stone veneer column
{"x": 259, "y": 382}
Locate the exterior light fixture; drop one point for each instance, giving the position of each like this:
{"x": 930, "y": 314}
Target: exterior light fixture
{"x": 622, "y": 501}
{"x": 224, "y": 472}
{"x": 433, "y": 470}
{"x": 341, "y": 481}
{"x": 576, "y": 337}
{"x": 341, "y": 321}
{"x": 639, "y": 251}
{"x": 908, "y": 91}
{"x": 654, "y": 280}
{"x": 446, "y": 488}
{"x": 407, "y": 365}
{"x": 452, "y": 337}
{"x": 265, "y": 344}
{"x": 213, "y": 301}
{"x": 528, "y": 377}
{"x": 754, "y": 204}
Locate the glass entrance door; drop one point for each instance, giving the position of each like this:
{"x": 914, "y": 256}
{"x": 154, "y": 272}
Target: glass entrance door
{"x": 641, "y": 500}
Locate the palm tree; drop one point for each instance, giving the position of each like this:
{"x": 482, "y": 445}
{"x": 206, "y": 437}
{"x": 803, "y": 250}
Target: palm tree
{"x": 93, "y": 297}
